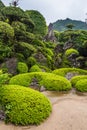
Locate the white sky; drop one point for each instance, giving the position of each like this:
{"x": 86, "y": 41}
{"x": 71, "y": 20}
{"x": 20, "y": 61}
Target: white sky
{"x": 56, "y": 9}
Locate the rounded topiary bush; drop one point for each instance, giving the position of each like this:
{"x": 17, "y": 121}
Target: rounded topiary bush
{"x": 22, "y": 67}
{"x": 48, "y": 80}
{"x": 75, "y": 79}
{"x": 81, "y": 85}
{"x": 64, "y": 71}
{"x": 70, "y": 51}
{"x": 35, "y": 68}
{"x": 24, "y": 105}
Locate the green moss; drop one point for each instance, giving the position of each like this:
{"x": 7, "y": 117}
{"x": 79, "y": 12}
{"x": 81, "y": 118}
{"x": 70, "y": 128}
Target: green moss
{"x": 70, "y": 51}
{"x": 64, "y": 71}
{"x": 22, "y": 67}
{"x": 35, "y": 68}
{"x": 48, "y": 80}
{"x": 75, "y": 79}
{"x": 24, "y": 106}
{"x": 81, "y": 85}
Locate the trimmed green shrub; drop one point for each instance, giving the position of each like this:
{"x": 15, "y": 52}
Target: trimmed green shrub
{"x": 14, "y": 13}
{"x": 6, "y": 31}
{"x": 24, "y": 106}
{"x": 4, "y": 78}
{"x": 64, "y": 71}
{"x": 35, "y": 68}
{"x": 48, "y": 80}
{"x": 70, "y": 51}
{"x": 75, "y": 79}
{"x": 39, "y": 21}
{"x": 31, "y": 61}
{"x": 22, "y": 67}
{"x": 81, "y": 85}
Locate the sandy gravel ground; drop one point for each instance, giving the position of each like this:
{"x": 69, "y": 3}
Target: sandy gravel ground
{"x": 69, "y": 113}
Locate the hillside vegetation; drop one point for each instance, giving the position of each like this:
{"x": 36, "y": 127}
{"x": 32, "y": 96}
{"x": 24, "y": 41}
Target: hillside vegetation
{"x": 60, "y": 25}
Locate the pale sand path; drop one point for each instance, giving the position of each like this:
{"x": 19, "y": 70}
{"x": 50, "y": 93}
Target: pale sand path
{"x": 69, "y": 113}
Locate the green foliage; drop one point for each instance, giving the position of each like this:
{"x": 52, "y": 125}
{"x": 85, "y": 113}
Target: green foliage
{"x": 60, "y": 25}
{"x": 26, "y": 48}
{"x": 31, "y": 61}
{"x": 14, "y": 13}
{"x": 75, "y": 79}
{"x": 35, "y": 68}
{"x": 22, "y": 67}
{"x": 39, "y": 21}
{"x": 64, "y": 71}
{"x": 6, "y": 31}
{"x": 81, "y": 85}
{"x": 24, "y": 106}
{"x": 4, "y": 78}
{"x": 1, "y": 5}
{"x": 71, "y": 51}
{"x": 18, "y": 27}
{"x": 48, "y": 80}
{"x": 70, "y": 26}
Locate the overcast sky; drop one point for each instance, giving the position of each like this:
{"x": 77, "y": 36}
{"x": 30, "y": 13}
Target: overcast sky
{"x": 56, "y": 9}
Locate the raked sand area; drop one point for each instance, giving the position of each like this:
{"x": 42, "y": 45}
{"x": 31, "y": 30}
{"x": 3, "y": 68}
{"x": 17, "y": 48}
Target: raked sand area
{"x": 69, "y": 113}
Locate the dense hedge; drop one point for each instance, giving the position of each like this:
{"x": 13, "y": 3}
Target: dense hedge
{"x": 64, "y": 71}
{"x": 81, "y": 85}
{"x": 75, "y": 79}
{"x": 24, "y": 105}
{"x": 48, "y": 80}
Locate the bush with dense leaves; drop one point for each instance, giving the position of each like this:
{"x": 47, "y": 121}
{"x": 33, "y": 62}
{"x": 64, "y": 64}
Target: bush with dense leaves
{"x": 64, "y": 71}
{"x": 35, "y": 68}
{"x": 6, "y": 31}
{"x": 22, "y": 67}
{"x": 39, "y": 21}
{"x": 48, "y": 80}
{"x": 71, "y": 51}
{"x": 81, "y": 85}
{"x": 24, "y": 106}
{"x": 75, "y": 79}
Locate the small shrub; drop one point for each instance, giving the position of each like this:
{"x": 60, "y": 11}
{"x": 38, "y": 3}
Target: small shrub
{"x": 24, "y": 106}
{"x": 35, "y": 68}
{"x": 70, "y": 51}
{"x": 75, "y": 79}
{"x": 4, "y": 78}
{"x": 81, "y": 85}
{"x": 48, "y": 80}
{"x": 22, "y": 67}
{"x": 64, "y": 71}
{"x": 31, "y": 61}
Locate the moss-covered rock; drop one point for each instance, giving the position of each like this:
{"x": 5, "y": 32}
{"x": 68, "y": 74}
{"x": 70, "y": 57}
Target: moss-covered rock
{"x": 48, "y": 80}
{"x": 24, "y": 106}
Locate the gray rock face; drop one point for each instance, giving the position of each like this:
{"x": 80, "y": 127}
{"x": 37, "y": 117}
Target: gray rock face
{"x": 69, "y": 75}
{"x": 2, "y": 115}
{"x": 68, "y": 45}
{"x": 34, "y": 84}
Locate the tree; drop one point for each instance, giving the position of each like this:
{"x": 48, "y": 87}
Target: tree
{"x": 70, "y": 26}
{"x": 14, "y": 3}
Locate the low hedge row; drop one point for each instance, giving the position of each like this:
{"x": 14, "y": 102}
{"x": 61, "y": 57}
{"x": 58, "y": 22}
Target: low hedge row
{"x": 24, "y": 105}
{"x": 64, "y": 71}
{"x": 48, "y": 80}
